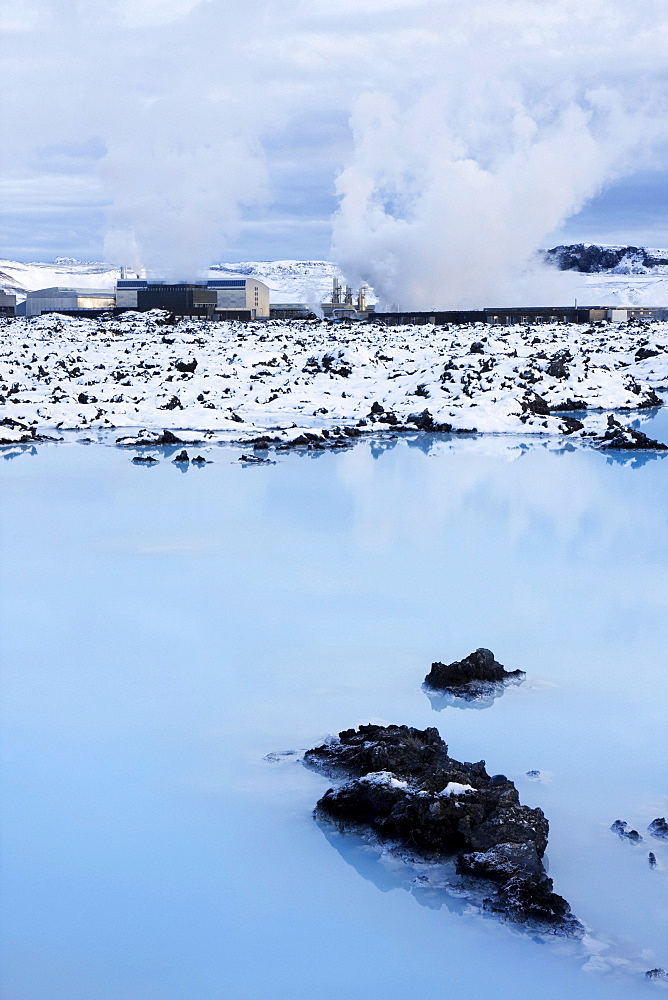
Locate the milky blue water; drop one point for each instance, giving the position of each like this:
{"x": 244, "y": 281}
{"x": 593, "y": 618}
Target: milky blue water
{"x": 162, "y": 632}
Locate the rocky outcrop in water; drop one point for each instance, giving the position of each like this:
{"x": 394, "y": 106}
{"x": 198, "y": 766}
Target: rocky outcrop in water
{"x": 659, "y": 828}
{"x": 618, "y": 437}
{"x": 404, "y": 787}
{"x": 471, "y": 677}
{"x": 624, "y": 831}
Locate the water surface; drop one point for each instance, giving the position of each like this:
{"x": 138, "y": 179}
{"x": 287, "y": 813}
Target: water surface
{"x": 164, "y": 631}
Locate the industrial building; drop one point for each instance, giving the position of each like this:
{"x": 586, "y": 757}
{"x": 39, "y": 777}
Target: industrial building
{"x": 67, "y": 300}
{"x": 219, "y": 298}
{"x": 291, "y": 310}
{"x": 527, "y": 315}
{"x": 343, "y": 306}
{"x": 7, "y": 304}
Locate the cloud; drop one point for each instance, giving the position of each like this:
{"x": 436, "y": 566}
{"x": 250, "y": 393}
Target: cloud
{"x": 476, "y": 129}
{"x": 522, "y": 114}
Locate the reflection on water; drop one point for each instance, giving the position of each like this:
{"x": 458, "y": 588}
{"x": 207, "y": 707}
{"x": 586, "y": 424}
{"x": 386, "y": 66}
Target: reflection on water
{"x": 431, "y": 885}
{"x": 162, "y": 634}
{"x": 445, "y": 699}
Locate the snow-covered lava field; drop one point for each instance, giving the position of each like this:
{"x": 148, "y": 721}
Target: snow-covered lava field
{"x": 284, "y": 379}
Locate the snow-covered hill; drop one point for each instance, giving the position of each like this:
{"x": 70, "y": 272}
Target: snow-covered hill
{"x": 18, "y": 278}
{"x": 308, "y": 281}
{"x": 592, "y": 258}
{"x": 605, "y": 275}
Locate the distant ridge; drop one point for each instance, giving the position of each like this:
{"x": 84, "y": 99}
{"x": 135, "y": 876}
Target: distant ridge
{"x": 611, "y": 275}
{"x": 594, "y": 258}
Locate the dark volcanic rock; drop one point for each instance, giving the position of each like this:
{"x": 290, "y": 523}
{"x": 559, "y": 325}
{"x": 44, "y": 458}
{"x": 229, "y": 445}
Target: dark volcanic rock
{"x": 557, "y": 367}
{"x": 524, "y": 887}
{"x": 624, "y": 832}
{"x": 568, "y": 405}
{"x": 645, "y": 352}
{"x": 627, "y": 439}
{"x": 650, "y": 400}
{"x": 186, "y": 367}
{"x": 149, "y": 439}
{"x": 425, "y": 422}
{"x": 590, "y": 258}
{"x": 471, "y": 676}
{"x": 407, "y": 789}
{"x": 173, "y": 403}
{"x": 570, "y": 424}
{"x": 535, "y": 404}
{"x": 255, "y": 460}
{"x": 659, "y": 828}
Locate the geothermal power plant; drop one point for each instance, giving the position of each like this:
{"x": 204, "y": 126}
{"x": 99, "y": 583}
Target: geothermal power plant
{"x": 247, "y": 299}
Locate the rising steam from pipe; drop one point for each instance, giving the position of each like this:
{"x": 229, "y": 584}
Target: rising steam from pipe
{"x": 516, "y": 122}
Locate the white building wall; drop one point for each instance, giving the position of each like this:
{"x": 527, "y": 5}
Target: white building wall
{"x": 253, "y": 295}
{"x": 257, "y": 298}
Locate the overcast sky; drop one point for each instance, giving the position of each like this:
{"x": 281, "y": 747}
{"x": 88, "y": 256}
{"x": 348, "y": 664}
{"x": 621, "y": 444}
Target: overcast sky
{"x": 178, "y": 132}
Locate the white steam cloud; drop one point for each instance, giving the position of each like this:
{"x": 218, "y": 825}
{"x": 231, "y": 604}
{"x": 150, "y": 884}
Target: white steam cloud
{"x": 521, "y": 120}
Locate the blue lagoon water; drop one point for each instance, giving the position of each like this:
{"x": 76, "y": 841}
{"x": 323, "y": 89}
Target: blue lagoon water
{"x": 163, "y": 632}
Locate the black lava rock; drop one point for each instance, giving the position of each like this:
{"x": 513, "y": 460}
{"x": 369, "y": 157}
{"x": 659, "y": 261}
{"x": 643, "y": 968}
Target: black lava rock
{"x": 186, "y": 367}
{"x": 644, "y": 352}
{"x": 591, "y": 259}
{"x": 650, "y": 400}
{"x": 525, "y": 890}
{"x": 182, "y": 456}
{"x": 557, "y": 367}
{"x": 255, "y": 460}
{"x": 568, "y": 405}
{"x": 425, "y": 422}
{"x": 471, "y": 676}
{"x": 570, "y": 424}
{"x": 626, "y": 439}
{"x": 535, "y": 404}
{"x": 624, "y": 832}
{"x": 406, "y": 788}
{"x": 173, "y": 403}
{"x": 659, "y": 828}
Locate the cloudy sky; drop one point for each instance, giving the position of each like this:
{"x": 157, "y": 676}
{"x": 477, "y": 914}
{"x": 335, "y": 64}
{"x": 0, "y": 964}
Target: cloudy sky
{"x": 400, "y": 137}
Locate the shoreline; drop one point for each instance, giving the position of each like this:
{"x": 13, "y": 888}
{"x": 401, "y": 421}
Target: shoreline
{"x": 309, "y": 384}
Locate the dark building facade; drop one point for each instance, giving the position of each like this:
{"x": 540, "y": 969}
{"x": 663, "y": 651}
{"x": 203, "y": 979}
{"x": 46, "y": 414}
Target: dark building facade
{"x": 181, "y": 299}
{"x": 506, "y": 316}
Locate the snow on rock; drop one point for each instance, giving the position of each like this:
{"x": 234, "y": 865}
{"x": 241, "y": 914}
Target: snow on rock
{"x": 456, "y": 788}
{"x": 385, "y": 779}
{"x": 286, "y": 380}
